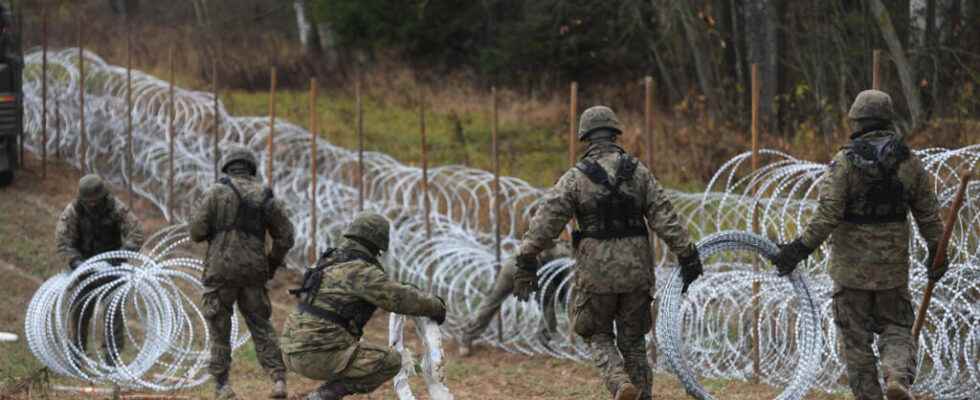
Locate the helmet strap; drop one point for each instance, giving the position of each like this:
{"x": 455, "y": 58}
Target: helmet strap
{"x": 602, "y": 134}
{"x": 865, "y": 125}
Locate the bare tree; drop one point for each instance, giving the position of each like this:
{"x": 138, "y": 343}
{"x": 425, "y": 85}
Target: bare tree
{"x": 761, "y": 19}
{"x": 905, "y": 72}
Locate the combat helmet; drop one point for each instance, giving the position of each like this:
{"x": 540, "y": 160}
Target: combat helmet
{"x": 91, "y": 187}
{"x": 239, "y": 153}
{"x": 597, "y": 117}
{"x": 370, "y": 227}
{"x": 871, "y": 104}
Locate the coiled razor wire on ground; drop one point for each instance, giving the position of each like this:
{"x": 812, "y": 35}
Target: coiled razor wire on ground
{"x": 791, "y": 324}
{"x": 457, "y": 262}
{"x": 165, "y": 337}
{"x": 428, "y": 331}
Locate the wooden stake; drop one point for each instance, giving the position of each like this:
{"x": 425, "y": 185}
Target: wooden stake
{"x": 129, "y": 118}
{"x": 215, "y": 154}
{"x": 756, "y": 287}
{"x": 940, "y": 255}
{"x": 272, "y": 127}
{"x": 425, "y": 170}
{"x": 648, "y": 118}
{"x": 360, "y": 147}
{"x": 83, "y": 145}
{"x": 495, "y": 155}
{"x": 57, "y": 128}
{"x": 170, "y": 136}
{"x": 44, "y": 92}
{"x": 876, "y": 69}
{"x": 572, "y": 131}
{"x": 313, "y": 117}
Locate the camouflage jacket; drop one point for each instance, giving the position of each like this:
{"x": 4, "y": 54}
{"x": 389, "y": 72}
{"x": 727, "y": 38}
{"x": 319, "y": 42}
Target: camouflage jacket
{"x": 345, "y": 284}
{"x": 235, "y": 258}
{"x": 81, "y": 234}
{"x": 608, "y": 265}
{"x": 871, "y": 256}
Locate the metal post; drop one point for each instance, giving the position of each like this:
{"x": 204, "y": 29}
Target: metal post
{"x": 57, "y": 127}
{"x": 81, "y": 101}
{"x": 756, "y": 287}
{"x": 572, "y": 132}
{"x": 170, "y": 136}
{"x": 495, "y": 155}
{"x": 313, "y": 166}
{"x": 648, "y": 135}
{"x": 44, "y": 92}
{"x": 360, "y": 147}
{"x": 876, "y": 69}
{"x": 129, "y": 117}
{"x": 272, "y": 127}
{"x": 215, "y": 154}
{"x": 425, "y": 170}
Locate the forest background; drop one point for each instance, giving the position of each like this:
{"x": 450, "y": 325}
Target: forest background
{"x": 445, "y": 55}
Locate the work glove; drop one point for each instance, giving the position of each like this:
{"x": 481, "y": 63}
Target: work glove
{"x": 691, "y": 268}
{"x": 526, "y": 277}
{"x": 790, "y": 255}
{"x": 440, "y": 316}
{"x": 936, "y": 274}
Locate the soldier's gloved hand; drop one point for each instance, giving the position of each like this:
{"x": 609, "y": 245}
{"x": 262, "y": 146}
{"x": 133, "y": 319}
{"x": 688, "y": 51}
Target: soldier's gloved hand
{"x": 274, "y": 266}
{"x": 790, "y": 255}
{"x": 440, "y": 315}
{"x": 691, "y": 268}
{"x": 526, "y": 277}
{"x": 74, "y": 263}
{"x": 936, "y": 274}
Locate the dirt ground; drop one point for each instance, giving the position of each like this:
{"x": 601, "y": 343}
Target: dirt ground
{"x": 29, "y": 210}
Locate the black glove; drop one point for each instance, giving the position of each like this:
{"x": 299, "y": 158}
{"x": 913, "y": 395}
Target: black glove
{"x": 936, "y": 274}
{"x": 790, "y": 255}
{"x": 691, "y": 268}
{"x": 440, "y": 315}
{"x": 74, "y": 263}
{"x": 274, "y": 266}
{"x": 526, "y": 277}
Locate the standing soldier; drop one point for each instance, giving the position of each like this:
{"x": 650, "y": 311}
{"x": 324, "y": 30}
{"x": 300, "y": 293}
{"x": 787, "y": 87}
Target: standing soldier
{"x": 234, "y": 217}
{"x": 865, "y": 198}
{"x": 503, "y": 287}
{"x": 322, "y": 338}
{"x": 95, "y": 223}
{"x": 615, "y": 199}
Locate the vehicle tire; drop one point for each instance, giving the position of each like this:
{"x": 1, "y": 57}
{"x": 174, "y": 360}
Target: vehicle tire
{"x": 6, "y": 178}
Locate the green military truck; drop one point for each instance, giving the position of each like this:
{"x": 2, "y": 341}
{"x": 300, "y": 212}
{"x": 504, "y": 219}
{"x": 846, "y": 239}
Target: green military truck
{"x": 11, "y": 98}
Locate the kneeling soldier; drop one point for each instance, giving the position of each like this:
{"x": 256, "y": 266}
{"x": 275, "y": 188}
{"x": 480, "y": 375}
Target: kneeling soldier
{"x": 322, "y": 338}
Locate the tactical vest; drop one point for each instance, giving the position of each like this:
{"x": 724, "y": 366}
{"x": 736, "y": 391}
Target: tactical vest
{"x": 98, "y": 233}
{"x": 250, "y": 217}
{"x": 884, "y": 198}
{"x": 351, "y": 316}
{"x": 616, "y": 214}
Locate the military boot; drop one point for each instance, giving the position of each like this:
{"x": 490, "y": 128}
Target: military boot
{"x": 895, "y": 390}
{"x": 279, "y": 390}
{"x": 627, "y": 391}
{"x": 328, "y": 391}
{"x": 222, "y": 389}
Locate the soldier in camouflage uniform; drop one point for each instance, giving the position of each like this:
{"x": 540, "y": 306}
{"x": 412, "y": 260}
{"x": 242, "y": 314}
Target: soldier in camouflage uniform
{"x": 616, "y": 200}
{"x": 95, "y": 223}
{"x": 865, "y": 197}
{"x": 322, "y": 338}
{"x": 503, "y": 287}
{"x": 234, "y": 217}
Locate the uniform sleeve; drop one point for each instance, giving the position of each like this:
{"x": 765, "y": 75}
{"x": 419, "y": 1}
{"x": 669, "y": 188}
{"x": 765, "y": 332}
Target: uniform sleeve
{"x": 663, "y": 220}
{"x": 200, "y": 223}
{"x": 282, "y": 232}
{"x": 925, "y": 206}
{"x": 132, "y": 232}
{"x": 396, "y": 297}
{"x": 832, "y": 203}
{"x": 550, "y": 218}
{"x": 66, "y": 235}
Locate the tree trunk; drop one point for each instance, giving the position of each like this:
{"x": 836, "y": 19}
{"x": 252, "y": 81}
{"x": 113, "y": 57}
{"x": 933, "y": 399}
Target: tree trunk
{"x": 761, "y": 17}
{"x": 304, "y": 24}
{"x": 905, "y": 73}
{"x": 701, "y": 61}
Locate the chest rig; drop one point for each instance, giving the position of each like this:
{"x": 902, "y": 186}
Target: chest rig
{"x": 99, "y": 232}
{"x": 883, "y": 199}
{"x": 616, "y": 214}
{"x": 352, "y": 316}
{"x": 250, "y": 217}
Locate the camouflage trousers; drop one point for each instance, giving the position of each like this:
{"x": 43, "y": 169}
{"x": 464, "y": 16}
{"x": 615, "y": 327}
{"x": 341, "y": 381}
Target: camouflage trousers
{"x": 253, "y": 303}
{"x": 490, "y": 307}
{"x": 369, "y": 367}
{"x": 621, "y": 356}
{"x": 81, "y": 317}
{"x": 862, "y": 314}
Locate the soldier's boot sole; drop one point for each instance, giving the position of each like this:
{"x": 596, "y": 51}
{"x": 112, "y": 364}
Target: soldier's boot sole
{"x": 897, "y": 391}
{"x": 279, "y": 390}
{"x": 627, "y": 392}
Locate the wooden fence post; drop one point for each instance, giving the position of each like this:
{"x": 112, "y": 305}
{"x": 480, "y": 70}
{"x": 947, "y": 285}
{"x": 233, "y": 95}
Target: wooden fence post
{"x": 83, "y": 145}
{"x": 425, "y": 170}
{"x": 170, "y": 135}
{"x": 360, "y": 146}
{"x": 215, "y": 154}
{"x": 495, "y": 155}
{"x": 756, "y": 287}
{"x": 44, "y": 91}
{"x": 313, "y": 166}
{"x": 876, "y": 70}
{"x": 129, "y": 117}
{"x": 272, "y": 127}
{"x": 572, "y": 131}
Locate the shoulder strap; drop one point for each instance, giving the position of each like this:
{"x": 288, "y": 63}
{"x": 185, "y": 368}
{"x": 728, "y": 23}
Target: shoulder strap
{"x": 594, "y": 172}
{"x": 227, "y": 181}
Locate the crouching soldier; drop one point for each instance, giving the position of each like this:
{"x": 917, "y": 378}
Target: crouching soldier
{"x": 322, "y": 338}
{"x": 233, "y": 218}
